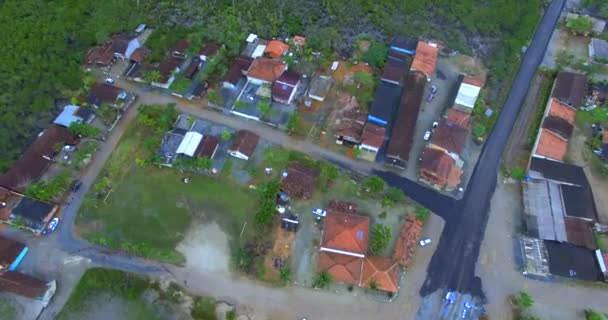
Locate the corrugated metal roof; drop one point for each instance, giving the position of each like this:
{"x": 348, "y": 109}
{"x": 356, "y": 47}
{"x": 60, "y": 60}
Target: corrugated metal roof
{"x": 67, "y": 116}
{"x": 190, "y": 143}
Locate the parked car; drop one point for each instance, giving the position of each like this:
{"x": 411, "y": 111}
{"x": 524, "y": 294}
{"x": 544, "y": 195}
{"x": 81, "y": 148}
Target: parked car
{"x": 427, "y": 135}
{"x": 435, "y": 124}
{"x": 425, "y": 242}
{"x": 320, "y": 212}
{"x": 434, "y": 89}
{"x": 109, "y": 81}
{"x": 76, "y": 185}
{"x": 51, "y": 226}
{"x": 430, "y": 97}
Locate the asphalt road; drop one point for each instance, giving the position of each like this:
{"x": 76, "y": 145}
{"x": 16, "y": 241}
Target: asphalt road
{"x": 453, "y": 265}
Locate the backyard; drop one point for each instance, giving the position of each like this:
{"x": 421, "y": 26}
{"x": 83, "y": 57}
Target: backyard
{"x": 143, "y": 209}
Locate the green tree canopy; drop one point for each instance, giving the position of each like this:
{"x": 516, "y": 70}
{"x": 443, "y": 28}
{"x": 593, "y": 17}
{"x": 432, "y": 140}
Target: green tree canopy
{"x": 379, "y": 238}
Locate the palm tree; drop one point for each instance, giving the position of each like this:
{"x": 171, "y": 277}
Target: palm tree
{"x": 152, "y": 76}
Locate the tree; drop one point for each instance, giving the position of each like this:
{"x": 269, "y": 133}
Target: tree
{"x": 264, "y": 108}
{"x": 479, "y": 131}
{"x": 395, "y": 194}
{"x": 322, "y": 280}
{"x": 523, "y": 300}
{"x": 152, "y": 76}
{"x": 376, "y": 55}
{"x": 292, "y": 122}
{"x": 226, "y": 135}
{"x": 379, "y": 238}
{"x": 240, "y": 104}
{"x": 593, "y": 315}
{"x": 268, "y": 196}
{"x": 285, "y": 275}
{"x": 374, "y": 184}
{"x": 580, "y": 25}
{"x": 212, "y": 95}
{"x": 422, "y": 213}
{"x": 84, "y": 130}
{"x": 364, "y": 79}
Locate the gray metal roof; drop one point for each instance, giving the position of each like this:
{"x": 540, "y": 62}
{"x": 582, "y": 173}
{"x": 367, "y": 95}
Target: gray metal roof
{"x": 544, "y": 208}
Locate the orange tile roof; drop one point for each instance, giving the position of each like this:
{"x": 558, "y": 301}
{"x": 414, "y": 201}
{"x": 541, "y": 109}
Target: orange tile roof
{"x": 551, "y": 145}
{"x": 276, "y": 48}
{"x": 383, "y": 271}
{"x": 473, "y": 81}
{"x": 425, "y": 58}
{"x": 342, "y": 268}
{"x": 408, "y": 240}
{"x": 454, "y": 176}
{"x": 459, "y": 118}
{"x": 266, "y": 69}
{"x": 346, "y": 232}
{"x": 563, "y": 111}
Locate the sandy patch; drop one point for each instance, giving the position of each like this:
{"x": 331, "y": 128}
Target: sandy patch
{"x": 206, "y": 248}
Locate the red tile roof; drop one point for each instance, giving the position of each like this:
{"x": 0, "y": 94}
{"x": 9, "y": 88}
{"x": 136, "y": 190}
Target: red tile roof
{"x": 580, "y": 232}
{"x": 373, "y": 135}
{"x": 408, "y": 240}
{"x": 210, "y": 49}
{"x": 139, "y": 54}
{"x": 425, "y": 58}
{"x": 450, "y": 137}
{"x": 285, "y": 85}
{"x": 558, "y": 109}
{"x": 207, "y": 147}
{"x": 300, "y": 181}
{"x": 382, "y": 271}
{"x": 473, "y": 81}
{"x": 22, "y": 284}
{"x": 100, "y": 55}
{"x": 245, "y": 142}
{"x": 33, "y": 163}
{"x": 266, "y": 69}
{"x": 342, "y": 268}
{"x": 9, "y": 251}
{"x": 439, "y": 168}
{"x": 239, "y": 66}
{"x": 276, "y": 48}
{"x": 551, "y": 145}
{"x": 346, "y": 232}
{"x": 350, "y": 129}
{"x": 459, "y": 118}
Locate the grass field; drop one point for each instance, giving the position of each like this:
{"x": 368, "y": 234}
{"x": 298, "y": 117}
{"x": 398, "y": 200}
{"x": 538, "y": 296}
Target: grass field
{"x": 147, "y": 210}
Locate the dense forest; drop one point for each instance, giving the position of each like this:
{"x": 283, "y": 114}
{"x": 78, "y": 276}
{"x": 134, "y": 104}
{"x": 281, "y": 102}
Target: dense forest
{"x": 44, "y": 41}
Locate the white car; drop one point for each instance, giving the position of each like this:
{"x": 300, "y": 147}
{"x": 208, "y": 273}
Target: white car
{"x": 320, "y": 212}
{"x": 427, "y": 135}
{"x": 109, "y": 81}
{"x": 435, "y": 124}
{"x": 425, "y": 242}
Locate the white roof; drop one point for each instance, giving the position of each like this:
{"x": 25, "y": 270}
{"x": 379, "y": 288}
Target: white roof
{"x": 467, "y": 95}
{"x": 259, "y": 51}
{"x": 251, "y": 37}
{"x": 68, "y": 116}
{"x": 190, "y": 143}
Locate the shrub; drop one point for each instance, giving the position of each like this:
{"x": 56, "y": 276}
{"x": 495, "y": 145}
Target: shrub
{"x": 374, "y": 184}
{"x": 593, "y": 315}
{"x": 379, "y": 238}
{"x": 422, "y": 213}
{"x": 523, "y": 300}
{"x": 204, "y": 309}
{"x": 83, "y": 130}
{"x": 322, "y": 280}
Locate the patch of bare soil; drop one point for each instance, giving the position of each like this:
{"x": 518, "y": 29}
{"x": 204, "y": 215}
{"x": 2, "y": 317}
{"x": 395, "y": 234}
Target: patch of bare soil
{"x": 206, "y": 248}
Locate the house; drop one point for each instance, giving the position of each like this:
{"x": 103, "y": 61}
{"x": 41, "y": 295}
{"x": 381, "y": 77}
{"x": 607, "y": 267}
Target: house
{"x": 439, "y": 170}
{"x": 372, "y": 140}
{"x": 237, "y": 69}
{"x": 467, "y": 95}
{"x": 396, "y": 67}
{"x": 244, "y": 144}
{"x": 570, "y": 88}
{"x": 348, "y": 130}
{"x": 380, "y": 273}
{"x": 209, "y": 50}
{"x": 386, "y": 101}
{"x": 123, "y": 45}
{"x": 37, "y": 158}
{"x": 557, "y": 127}
{"x": 264, "y": 70}
{"x": 139, "y": 55}
{"x": 408, "y": 240}
{"x": 598, "y": 50}
{"x": 140, "y": 28}
{"x": 404, "y": 45}
{"x": 319, "y": 87}
{"x": 72, "y": 113}
{"x": 99, "y": 56}
{"x": 190, "y": 143}
{"x": 167, "y": 70}
{"x": 344, "y": 243}
{"x": 459, "y": 118}
{"x": 179, "y": 49}
{"x": 298, "y": 41}
{"x": 11, "y": 253}
{"x": 27, "y": 286}
{"x": 105, "y": 93}
{"x": 276, "y": 48}
{"x": 425, "y": 58}
{"x": 449, "y": 137}
{"x": 26, "y": 212}
{"x": 402, "y": 134}
{"x": 285, "y": 87}
{"x": 299, "y": 181}
{"x": 208, "y": 147}
{"x": 569, "y": 261}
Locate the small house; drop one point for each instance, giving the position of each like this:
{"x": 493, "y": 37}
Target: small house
{"x": 208, "y": 147}
{"x": 372, "y": 139}
{"x": 244, "y": 144}
{"x": 74, "y": 114}
{"x": 167, "y": 70}
{"x": 439, "y": 170}
{"x": 105, "y": 93}
{"x": 276, "y": 49}
{"x": 299, "y": 181}
{"x": 319, "y": 87}
{"x": 264, "y": 70}
{"x": 238, "y": 68}
{"x": 27, "y": 286}
{"x": 425, "y": 58}
{"x": 123, "y": 45}
{"x": 570, "y": 88}
{"x": 100, "y": 56}
{"x": 285, "y": 87}
{"x": 467, "y": 95}
{"x": 189, "y": 144}
{"x": 449, "y": 137}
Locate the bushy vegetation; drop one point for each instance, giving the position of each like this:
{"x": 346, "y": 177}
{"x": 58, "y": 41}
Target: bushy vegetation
{"x": 379, "y": 238}
{"x": 49, "y": 190}
{"x": 580, "y": 25}
{"x": 83, "y": 130}
{"x": 48, "y": 40}
{"x": 268, "y": 199}
{"x": 322, "y": 280}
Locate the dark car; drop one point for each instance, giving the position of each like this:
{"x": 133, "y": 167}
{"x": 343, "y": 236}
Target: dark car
{"x": 76, "y": 185}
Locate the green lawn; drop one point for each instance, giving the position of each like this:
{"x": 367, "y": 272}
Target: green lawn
{"x": 148, "y": 210}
